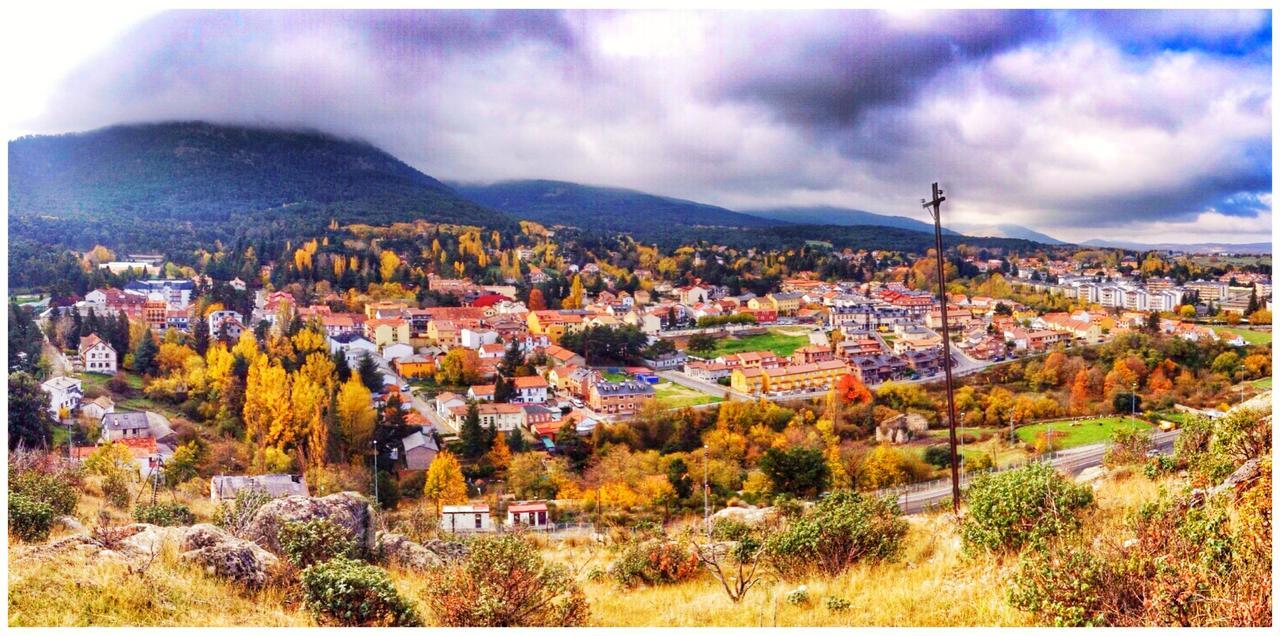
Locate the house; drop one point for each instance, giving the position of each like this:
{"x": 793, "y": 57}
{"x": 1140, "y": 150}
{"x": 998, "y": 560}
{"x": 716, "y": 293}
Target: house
{"x": 531, "y": 389}
{"x": 97, "y": 407}
{"x": 666, "y": 361}
{"x": 498, "y": 416}
{"x": 414, "y": 366}
{"x": 232, "y": 321}
{"x": 707, "y": 371}
{"x": 419, "y": 450}
{"x": 353, "y": 347}
{"x": 446, "y": 402}
{"x": 223, "y": 487}
{"x": 385, "y": 331}
{"x": 492, "y": 351}
{"x": 528, "y": 514}
{"x": 174, "y": 292}
{"x": 466, "y": 518}
{"x": 791, "y": 377}
{"x": 396, "y": 351}
{"x": 125, "y": 425}
{"x": 620, "y": 397}
{"x": 96, "y": 355}
{"x": 812, "y": 353}
{"x": 65, "y": 392}
{"x": 481, "y": 392}
{"x": 559, "y": 355}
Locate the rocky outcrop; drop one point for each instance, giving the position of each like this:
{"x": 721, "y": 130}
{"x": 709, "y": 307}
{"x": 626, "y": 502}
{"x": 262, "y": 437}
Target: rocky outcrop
{"x": 750, "y": 516}
{"x": 399, "y": 551}
{"x": 224, "y": 555}
{"x": 348, "y": 510}
{"x": 1246, "y": 473}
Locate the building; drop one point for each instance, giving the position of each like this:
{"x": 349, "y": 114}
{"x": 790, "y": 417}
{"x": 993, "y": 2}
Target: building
{"x": 499, "y": 416}
{"x": 96, "y": 355}
{"x": 224, "y": 487}
{"x": 225, "y": 321}
{"x": 528, "y": 514}
{"x": 96, "y": 408}
{"x": 419, "y": 450}
{"x": 174, "y": 292}
{"x": 125, "y": 425}
{"x": 530, "y": 389}
{"x": 155, "y": 312}
{"x": 385, "y": 331}
{"x": 788, "y": 378}
{"x": 466, "y": 518}
{"x": 667, "y": 361}
{"x": 415, "y": 366}
{"x": 65, "y": 392}
{"x": 620, "y": 398}
{"x": 812, "y": 353}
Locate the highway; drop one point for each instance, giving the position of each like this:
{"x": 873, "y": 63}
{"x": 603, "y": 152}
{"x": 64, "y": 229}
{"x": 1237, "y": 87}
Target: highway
{"x": 1070, "y": 461}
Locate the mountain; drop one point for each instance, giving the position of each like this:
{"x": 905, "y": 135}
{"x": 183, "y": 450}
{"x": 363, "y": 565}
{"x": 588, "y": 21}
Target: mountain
{"x": 1198, "y": 248}
{"x": 828, "y": 215}
{"x": 601, "y": 208}
{"x": 204, "y": 177}
{"x": 1006, "y": 230}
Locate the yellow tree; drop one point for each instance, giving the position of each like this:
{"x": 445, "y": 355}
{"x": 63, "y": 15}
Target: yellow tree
{"x": 356, "y": 417}
{"x": 307, "y": 340}
{"x": 388, "y": 262}
{"x": 499, "y": 454}
{"x": 308, "y": 400}
{"x": 576, "y": 292}
{"x": 267, "y": 408}
{"x": 444, "y": 483}
{"x": 247, "y": 346}
{"x": 321, "y": 370}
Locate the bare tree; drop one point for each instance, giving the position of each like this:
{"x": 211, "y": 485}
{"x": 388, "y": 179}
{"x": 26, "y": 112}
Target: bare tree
{"x": 737, "y": 572}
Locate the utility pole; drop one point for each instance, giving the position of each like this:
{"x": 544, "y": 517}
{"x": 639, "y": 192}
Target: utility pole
{"x": 934, "y": 207}
{"x": 706, "y": 492}
{"x": 374, "y": 444}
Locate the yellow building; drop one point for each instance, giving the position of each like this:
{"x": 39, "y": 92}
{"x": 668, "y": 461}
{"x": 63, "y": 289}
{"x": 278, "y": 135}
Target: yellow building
{"x": 554, "y": 323}
{"x": 385, "y": 331}
{"x": 793, "y": 377}
{"x": 385, "y": 309}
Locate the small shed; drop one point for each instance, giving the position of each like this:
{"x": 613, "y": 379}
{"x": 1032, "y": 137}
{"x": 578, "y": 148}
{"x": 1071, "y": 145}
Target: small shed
{"x": 528, "y": 514}
{"x": 419, "y": 450}
{"x": 466, "y": 518}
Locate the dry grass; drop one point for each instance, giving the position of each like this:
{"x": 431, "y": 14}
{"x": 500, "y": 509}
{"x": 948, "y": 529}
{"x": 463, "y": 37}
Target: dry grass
{"x": 933, "y": 584}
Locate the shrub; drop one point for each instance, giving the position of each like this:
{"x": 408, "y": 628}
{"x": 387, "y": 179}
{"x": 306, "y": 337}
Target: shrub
{"x": 53, "y": 489}
{"x": 837, "y": 604}
{"x": 842, "y": 529}
{"x": 503, "y": 582}
{"x": 115, "y": 487}
{"x": 1129, "y": 445}
{"x": 980, "y": 461}
{"x": 799, "y": 596}
{"x": 352, "y": 593}
{"x": 1022, "y": 506}
{"x": 235, "y": 515}
{"x": 307, "y": 543}
{"x": 1062, "y": 587}
{"x": 29, "y": 519}
{"x": 161, "y": 514}
{"x": 939, "y": 456}
{"x": 654, "y": 562}
{"x": 1157, "y": 466}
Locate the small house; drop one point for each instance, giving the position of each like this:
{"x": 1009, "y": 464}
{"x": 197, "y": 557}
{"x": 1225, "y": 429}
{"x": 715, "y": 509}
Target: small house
{"x": 226, "y": 486}
{"x": 528, "y": 514}
{"x": 65, "y": 392}
{"x": 419, "y": 450}
{"x": 466, "y": 518}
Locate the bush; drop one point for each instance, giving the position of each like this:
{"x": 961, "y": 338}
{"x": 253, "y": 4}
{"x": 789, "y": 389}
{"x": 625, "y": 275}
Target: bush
{"x": 1061, "y": 587}
{"x": 116, "y": 489}
{"x": 1129, "y": 445}
{"x": 1157, "y": 466}
{"x": 654, "y": 562}
{"x": 842, "y": 529}
{"x": 171, "y": 514}
{"x": 29, "y": 519}
{"x": 939, "y": 456}
{"x": 53, "y": 489}
{"x": 799, "y": 596}
{"x": 307, "y": 543}
{"x": 837, "y": 604}
{"x": 1022, "y": 506}
{"x": 352, "y": 593}
{"x": 235, "y": 515}
{"x": 503, "y": 582}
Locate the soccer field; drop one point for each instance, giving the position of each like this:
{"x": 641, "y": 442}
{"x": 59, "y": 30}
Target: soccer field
{"x": 1082, "y": 432}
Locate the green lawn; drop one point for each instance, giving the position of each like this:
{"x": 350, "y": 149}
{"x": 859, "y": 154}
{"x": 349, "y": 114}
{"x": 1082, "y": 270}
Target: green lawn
{"x": 1250, "y": 336}
{"x": 1264, "y": 383}
{"x": 1082, "y": 432}
{"x": 676, "y": 396}
{"x": 777, "y": 341}
{"x": 615, "y": 377}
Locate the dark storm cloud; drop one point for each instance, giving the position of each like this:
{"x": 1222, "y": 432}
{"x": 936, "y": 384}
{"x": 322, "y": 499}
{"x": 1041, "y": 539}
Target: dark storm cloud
{"x": 1058, "y": 119}
{"x": 820, "y": 70}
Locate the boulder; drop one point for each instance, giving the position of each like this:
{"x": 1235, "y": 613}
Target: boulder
{"x": 1245, "y": 474}
{"x": 447, "y": 550}
{"x": 149, "y": 539}
{"x": 1091, "y": 474}
{"x": 748, "y": 515}
{"x": 398, "y": 550}
{"x": 348, "y": 510}
{"x": 224, "y": 555}
{"x": 70, "y": 524}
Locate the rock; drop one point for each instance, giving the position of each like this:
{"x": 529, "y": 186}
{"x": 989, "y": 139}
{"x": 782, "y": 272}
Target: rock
{"x": 347, "y": 509}
{"x": 399, "y": 551}
{"x": 447, "y": 550}
{"x": 750, "y": 516}
{"x": 70, "y": 524}
{"x": 1246, "y": 473}
{"x": 1091, "y": 474}
{"x": 149, "y": 539}
{"x": 224, "y": 555}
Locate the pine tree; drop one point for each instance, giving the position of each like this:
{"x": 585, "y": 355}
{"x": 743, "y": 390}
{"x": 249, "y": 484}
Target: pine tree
{"x": 144, "y": 355}
{"x": 369, "y": 374}
{"x": 200, "y": 335}
{"x": 29, "y": 423}
{"x": 473, "y": 437}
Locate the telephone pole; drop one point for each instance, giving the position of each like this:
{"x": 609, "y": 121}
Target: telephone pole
{"x": 935, "y": 210}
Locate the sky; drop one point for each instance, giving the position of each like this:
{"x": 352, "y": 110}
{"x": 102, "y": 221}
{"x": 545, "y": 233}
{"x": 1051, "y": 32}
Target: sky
{"x": 1147, "y": 126}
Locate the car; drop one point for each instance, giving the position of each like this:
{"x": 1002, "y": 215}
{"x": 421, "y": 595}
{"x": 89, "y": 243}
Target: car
{"x": 1155, "y": 452}
{"x": 577, "y": 403}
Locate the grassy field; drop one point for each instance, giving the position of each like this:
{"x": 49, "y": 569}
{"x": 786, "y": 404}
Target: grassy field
{"x": 1250, "y": 336}
{"x": 782, "y": 342}
{"x": 676, "y": 396}
{"x": 614, "y": 376}
{"x": 1080, "y": 433}
{"x": 1264, "y": 383}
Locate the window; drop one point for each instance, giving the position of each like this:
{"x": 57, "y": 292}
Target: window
{"x": 478, "y": 523}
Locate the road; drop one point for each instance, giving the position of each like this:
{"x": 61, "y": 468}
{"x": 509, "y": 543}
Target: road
{"x": 1071, "y": 461}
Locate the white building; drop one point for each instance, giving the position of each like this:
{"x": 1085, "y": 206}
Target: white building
{"x": 64, "y": 392}
{"x": 96, "y": 355}
{"x": 467, "y": 518}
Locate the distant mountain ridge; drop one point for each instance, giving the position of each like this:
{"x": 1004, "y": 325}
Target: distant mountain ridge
{"x": 1221, "y": 248}
{"x": 830, "y": 215}
{"x": 182, "y": 172}
{"x": 597, "y": 207}
{"x": 1006, "y": 230}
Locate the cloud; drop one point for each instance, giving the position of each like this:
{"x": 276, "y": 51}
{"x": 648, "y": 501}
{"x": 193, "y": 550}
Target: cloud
{"x": 1069, "y": 120}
